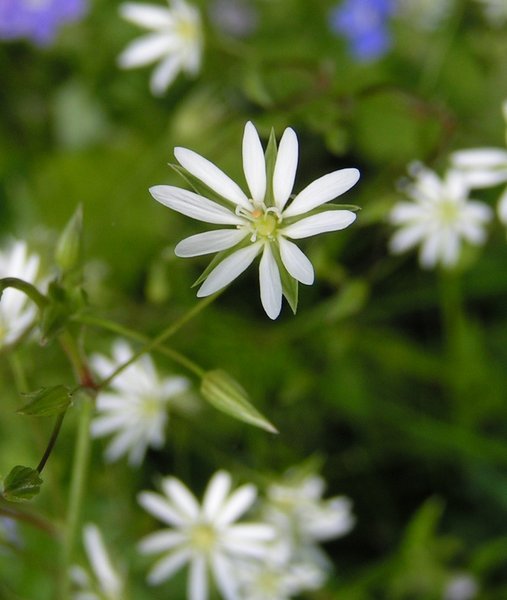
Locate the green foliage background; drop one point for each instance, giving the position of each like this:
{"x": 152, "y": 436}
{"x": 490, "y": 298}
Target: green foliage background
{"x": 392, "y": 377}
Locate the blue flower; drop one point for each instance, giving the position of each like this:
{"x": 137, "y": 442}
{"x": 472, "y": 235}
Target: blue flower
{"x": 37, "y": 20}
{"x": 365, "y": 24}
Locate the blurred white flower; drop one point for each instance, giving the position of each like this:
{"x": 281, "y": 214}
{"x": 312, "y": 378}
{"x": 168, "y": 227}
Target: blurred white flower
{"x": 205, "y": 536}
{"x": 262, "y": 222}
{"x": 495, "y": 11}
{"x": 175, "y": 41}
{"x": 461, "y": 587}
{"x": 485, "y": 167}
{"x": 105, "y": 584}
{"x": 438, "y": 218}
{"x": 295, "y": 506}
{"x": 17, "y": 311}
{"x": 136, "y": 408}
{"x": 279, "y": 581}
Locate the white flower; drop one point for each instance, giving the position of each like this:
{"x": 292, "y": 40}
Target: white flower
{"x": 495, "y": 11}
{"x": 175, "y": 41}
{"x": 438, "y": 219}
{"x": 262, "y": 222}
{"x": 136, "y": 408}
{"x": 279, "y": 581}
{"x": 483, "y": 168}
{"x": 106, "y": 583}
{"x": 461, "y": 587}
{"x": 295, "y": 505}
{"x": 205, "y": 536}
{"x": 17, "y": 311}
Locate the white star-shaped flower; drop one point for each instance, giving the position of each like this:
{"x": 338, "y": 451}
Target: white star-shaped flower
{"x": 206, "y": 536}
{"x": 438, "y": 219}
{"x": 484, "y": 168}
{"x": 17, "y": 311}
{"x": 175, "y": 41}
{"x": 105, "y": 584}
{"x": 136, "y": 410}
{"x": 264, "y": 221}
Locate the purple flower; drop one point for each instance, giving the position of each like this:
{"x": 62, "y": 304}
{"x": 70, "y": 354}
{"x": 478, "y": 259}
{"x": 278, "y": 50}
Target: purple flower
{"x": 37, "y": 20}
{"x": 365, "y": 24}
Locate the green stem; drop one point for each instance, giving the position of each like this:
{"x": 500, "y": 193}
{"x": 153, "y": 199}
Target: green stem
{"x": 166, "y": 334}
{"x": 176, "y": 356}
{"x": 23, "y": 286}
{"x": 77, "y": 487}
{"x": 52, "y": 442}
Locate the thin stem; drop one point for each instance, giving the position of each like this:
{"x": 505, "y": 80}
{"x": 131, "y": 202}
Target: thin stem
{"x": 139, "y": 337}
{"x": 52, "y": 442}
{"x": 77, "y": 487}
{"x": 166, "y": 334}
{"x": 32, "y": 519}
{"x": 23, "y": 286}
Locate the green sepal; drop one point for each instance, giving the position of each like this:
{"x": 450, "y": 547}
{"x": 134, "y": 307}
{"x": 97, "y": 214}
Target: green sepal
{"x": 227, "y": 395}
{"x": 270, "y": 157}
{"x": 64, "y": 302}
{"x": 290, "y": 286}
{"x": 218, "y": 258}
{"x": 47, "y": 401}
{"x": 21, "y": 484}
{"x": 69, "y": 247}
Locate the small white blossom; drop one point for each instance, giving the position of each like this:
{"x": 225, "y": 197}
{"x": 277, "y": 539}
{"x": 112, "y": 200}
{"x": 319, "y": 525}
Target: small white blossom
{"x": 17, "y": 311}
{"x": 175, "y": 41}
{"x": 136, "y": 408}
{"x": 438, "y": 218}
{"x": 204, "y": 535}
{"x": 484, "y": 168}
{"x": 461, "y": 587}
{"x": 105, "y": 584}
{"x": 261, "y": 222}
{"x": 295, "y": 505}
{"x": 495, "y": 11}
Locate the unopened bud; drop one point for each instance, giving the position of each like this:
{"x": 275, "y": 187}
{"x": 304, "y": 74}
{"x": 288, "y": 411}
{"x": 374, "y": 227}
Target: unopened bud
{"x": 68, "y": 248}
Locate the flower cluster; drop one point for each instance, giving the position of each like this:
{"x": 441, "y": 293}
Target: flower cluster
{"x": 264, "y": 221}
{"x": 17, "y": 311}
{"x": 275, "y": 557}
{"x": 136, "y": 408}
{"x": 39, "y": 20}
{"x": 175, "y": 40}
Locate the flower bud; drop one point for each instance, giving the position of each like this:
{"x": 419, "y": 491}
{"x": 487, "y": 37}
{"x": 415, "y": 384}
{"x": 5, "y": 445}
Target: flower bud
{"x": 68, "y": 248}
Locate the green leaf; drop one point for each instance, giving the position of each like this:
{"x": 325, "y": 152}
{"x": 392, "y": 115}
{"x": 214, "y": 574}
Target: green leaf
{"x": 64, "y": 302}
{"x": 21, "y": 484}
{"x": 226, "y": 394}
{"x": 47, "y": 402}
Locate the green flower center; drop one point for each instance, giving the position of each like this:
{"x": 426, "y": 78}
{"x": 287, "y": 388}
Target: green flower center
{"x": 188, "y": 30}
{"x": 203, "y": 538}
{"x": 448, "y": 212}
{"x": 150, "y": 406}
{"x": 265, "y": 223}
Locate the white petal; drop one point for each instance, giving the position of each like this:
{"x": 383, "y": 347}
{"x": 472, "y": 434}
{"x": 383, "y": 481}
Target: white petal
{"x": 230, "y": 268}
{"x": 123, "y": 442}
{"x": 331, "y": 220}
{"x": 215, "y": 494}
{"x": 270, "y": 284}
{"x": 198, "y": 580}
{"x": 405, "y": 211}
{"x": 254, "y": 164}
{"x": 407, "y": 237}
{"x": 160, "y": 541}
{"x": 480, "y": 158}
{"x": 429, "y": 252}
{"x": 212, "y": 176}
{"x": 145, "y": 50}
{"x": 251, "y": 532}
{"x": 168, "y": 565}
{"x": 105, "y": 425}
{"x": 483, "y": 178}
{"x": 208, "y": 242}
{"x": 147, "y": 15}
{"x": 285, "y": 168}
{"x": 296, "y": 262}
{"x": 225, "y": 576}
{"x": 164, "y": 74}
{"x": 322, "y": 190}
{"x": 237, "y": 504}
{"x": 181, "y": 496}
{"x": 192, "y": 205}
{"x": 100, "y": 561}
{"x": 160, "y": 508}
